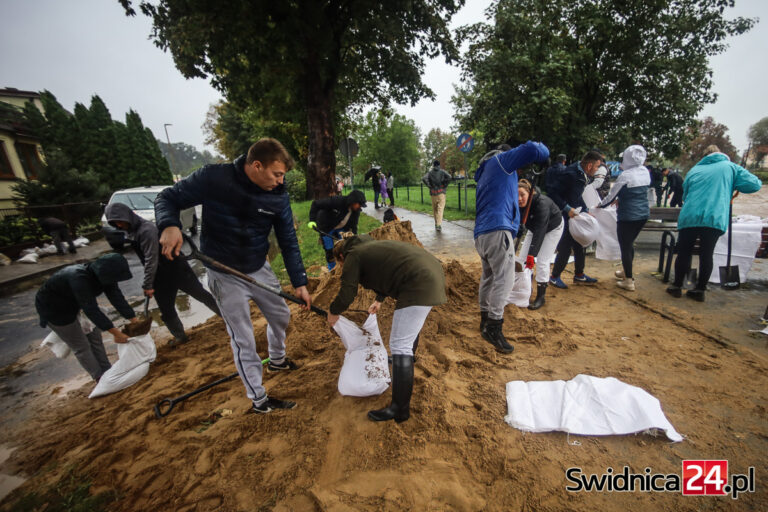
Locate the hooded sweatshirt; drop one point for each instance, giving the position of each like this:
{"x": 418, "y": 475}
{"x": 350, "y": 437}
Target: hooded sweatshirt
{"x": 707, "y": 191}
{"x": 391, "y": 268}
{"x": 436, "y": 180}
{"x": 496, "y": 199}
{"x": 76, "y": 287}
{"x": 145, "y": 239}
{"x": 631, "y": 187}
{"x": 333, "y": 212}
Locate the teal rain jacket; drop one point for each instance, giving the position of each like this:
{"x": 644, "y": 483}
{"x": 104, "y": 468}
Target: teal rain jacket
{"x": 708, "y": 188}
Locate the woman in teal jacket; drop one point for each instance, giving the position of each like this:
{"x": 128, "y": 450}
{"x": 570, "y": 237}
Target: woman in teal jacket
{"x": 707, "y": 192}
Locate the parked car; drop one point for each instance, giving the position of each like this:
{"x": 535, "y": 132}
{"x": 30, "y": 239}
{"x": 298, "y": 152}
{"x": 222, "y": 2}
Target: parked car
{"x": 142, "y": 201}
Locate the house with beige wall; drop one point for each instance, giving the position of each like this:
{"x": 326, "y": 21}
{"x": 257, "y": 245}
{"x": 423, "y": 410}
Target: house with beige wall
{"x": 20, "y": 150}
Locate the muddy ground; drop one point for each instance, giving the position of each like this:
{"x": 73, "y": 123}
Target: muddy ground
{"x": 455, "y": 453}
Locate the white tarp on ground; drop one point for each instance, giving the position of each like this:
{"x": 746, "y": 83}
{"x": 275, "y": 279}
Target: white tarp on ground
{"x": 365, "y": 371}
{"x": 132, "y": 365}
{"x": 585, "y": 405}
{"x": 747, "y": 235}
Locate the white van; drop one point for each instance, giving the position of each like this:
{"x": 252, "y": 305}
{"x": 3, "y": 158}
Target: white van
{"x": 142, "y": 201}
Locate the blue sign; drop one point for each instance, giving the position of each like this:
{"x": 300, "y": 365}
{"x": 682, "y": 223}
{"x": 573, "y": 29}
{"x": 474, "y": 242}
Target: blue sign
{"x": 465, "y": 143}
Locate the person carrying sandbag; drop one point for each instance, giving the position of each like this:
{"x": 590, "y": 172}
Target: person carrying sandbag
{"x": 566, "y": 192}
{"x": 545, "y": 225}
{"x": 408, "y": 274}
{"x": 631, "y": 191}
{"x": 333, "y": 216}
{"x": 75, "y": 288}
{"x": 163, "y": 278}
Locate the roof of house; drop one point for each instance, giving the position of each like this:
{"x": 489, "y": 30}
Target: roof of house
{"x": 14, "y": 92}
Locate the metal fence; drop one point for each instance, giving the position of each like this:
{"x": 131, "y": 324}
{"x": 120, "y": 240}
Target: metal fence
{"x": 459, "y": 195}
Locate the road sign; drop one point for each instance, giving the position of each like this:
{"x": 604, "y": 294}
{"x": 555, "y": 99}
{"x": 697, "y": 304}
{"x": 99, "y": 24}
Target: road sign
{"x": 465, "y": 143}
{"x": 349, "y": 147}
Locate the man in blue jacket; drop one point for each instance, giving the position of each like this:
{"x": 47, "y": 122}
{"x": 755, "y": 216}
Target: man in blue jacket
{"x": 242, "y": 202}
{"x": 496, "y": 225}
{"x": 566, "y": 192}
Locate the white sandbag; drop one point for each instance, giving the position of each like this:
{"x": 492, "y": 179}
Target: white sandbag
{"x": 521, "y": 290}
{"x": 651, "y": 197}
{"x": 590, "y": 196}
{"x": 56, "y": 345}
{"x": 365, "y": 371}
{"x": 81, "y": 241}
{"x": 5, "y": 260}
{"x": 745, "y": 242}
{"x": 31, "y": 257}
{"x": 131, "y": 366}
{"x": 584, "y": 229}
{"x": 607, "y": 240}
{"x": 49, "y": 249}
{"x": 585, "y": 405}
{"x": 29, "y": 250}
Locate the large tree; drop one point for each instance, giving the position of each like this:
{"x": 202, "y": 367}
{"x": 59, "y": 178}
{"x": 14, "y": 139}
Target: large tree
{"x": 308, "y": 59}
{"x": 391, "y": 141}
{"x": 584, "y": 73}
{"x": 699, "y": 136}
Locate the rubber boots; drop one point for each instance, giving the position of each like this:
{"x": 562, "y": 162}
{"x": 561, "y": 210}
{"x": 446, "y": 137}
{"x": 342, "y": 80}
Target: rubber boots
{"x": 483, "y": 320}
{"x": 402, "y": 388}
{"x": 493, "y": 334}
{"x": 541, "y": 290}
{"x": 176, "y": 328}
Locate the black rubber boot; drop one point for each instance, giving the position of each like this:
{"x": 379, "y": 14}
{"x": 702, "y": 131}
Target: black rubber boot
{"x": 493, "y": 334}
{"x": 483, "y": 320}
{"x": 402, "y": 388}
{"x": 541, "y": 290}
{"x": 176, "y": 328}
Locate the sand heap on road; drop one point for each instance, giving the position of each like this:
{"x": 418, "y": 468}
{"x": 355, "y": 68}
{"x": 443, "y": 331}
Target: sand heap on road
{"x": 455, "y": 453}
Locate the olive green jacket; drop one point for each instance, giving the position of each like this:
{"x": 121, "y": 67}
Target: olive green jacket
{"x": 403, "y": 271}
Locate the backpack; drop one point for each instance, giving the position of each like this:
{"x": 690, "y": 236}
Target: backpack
{"x": 389, "y": 215}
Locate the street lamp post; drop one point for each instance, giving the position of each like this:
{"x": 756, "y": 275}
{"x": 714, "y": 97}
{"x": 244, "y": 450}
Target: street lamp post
{"x": 170, "y": 149}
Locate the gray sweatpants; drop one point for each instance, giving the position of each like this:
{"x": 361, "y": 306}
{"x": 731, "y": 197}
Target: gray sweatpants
{"x": 232, "y": 295}
{"x": 88, "y": 348}
{"x": 406, "y": 325}
{"x": 497, "y": 253}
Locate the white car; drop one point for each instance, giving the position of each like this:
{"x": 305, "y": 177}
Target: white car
{"x": 142, "y": 201}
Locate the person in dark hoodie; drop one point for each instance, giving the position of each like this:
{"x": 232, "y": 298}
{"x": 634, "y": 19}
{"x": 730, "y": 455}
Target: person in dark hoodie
{"x": 553, "y": 171}
{"x": 333, "y": 216}
{"x": 674, "y": 186}
{"x": 410, "y": 275}
{"x": 496, "y": 225}
{"x": 163, "y": 278}
{"x": 58, "y": 230}
{"x": 74, "y": 288}
{"x": 243, "y": 202}
{"x": 437, "y": 181}
{"x": 566, "y": 192}
{"x": 545, "y": 227}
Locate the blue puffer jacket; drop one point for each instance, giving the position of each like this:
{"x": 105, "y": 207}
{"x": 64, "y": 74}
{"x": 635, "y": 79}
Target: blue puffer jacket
{"x": 237, "y": 217}
{"x": 707, "y": 192}
{"x": 496, "y": 201}
{"x": 567, "y": 188}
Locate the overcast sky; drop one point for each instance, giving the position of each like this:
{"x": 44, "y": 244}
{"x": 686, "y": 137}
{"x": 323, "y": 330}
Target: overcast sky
{"x": 79, "y": 48}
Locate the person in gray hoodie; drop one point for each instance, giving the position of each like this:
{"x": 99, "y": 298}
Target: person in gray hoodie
{"x": 162, "y": 278}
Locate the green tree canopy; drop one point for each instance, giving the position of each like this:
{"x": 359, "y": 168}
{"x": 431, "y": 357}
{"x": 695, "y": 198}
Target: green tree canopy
{"x": 582, "y": 73}
{"x": 185, "y": 157}
{"x": 758, "y": 132}
{"x": 306, "y": 63}
{"x": 390, "y": 141}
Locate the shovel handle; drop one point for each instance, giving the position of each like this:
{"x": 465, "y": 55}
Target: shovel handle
{"x": 160, "y": 408}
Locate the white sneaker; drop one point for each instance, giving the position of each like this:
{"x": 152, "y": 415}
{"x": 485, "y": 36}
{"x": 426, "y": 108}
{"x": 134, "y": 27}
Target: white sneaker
{"x": 627, "y": 284}
{"x": 619, "y": 274}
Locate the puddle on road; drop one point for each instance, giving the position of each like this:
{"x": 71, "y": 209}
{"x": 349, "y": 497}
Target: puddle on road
{"x": 8, "y": 482}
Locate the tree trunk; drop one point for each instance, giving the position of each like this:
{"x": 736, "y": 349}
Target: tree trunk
{"x": 321, "y": 161}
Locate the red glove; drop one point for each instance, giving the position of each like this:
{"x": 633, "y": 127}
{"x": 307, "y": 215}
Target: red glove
{"x": 529, "y": 262}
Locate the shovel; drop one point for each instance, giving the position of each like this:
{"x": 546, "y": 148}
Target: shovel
{"x": 729, "y": 274}
{"x": 141, "y": 327}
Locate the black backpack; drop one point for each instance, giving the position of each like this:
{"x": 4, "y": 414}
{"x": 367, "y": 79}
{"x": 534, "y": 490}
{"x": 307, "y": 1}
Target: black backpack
{"x": 389, "y": 215}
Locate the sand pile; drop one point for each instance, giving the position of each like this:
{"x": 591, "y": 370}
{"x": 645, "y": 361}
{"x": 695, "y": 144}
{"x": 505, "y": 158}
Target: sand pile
{"x": 455, "y": 453}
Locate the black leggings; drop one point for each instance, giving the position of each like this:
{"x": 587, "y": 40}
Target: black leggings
{"x": 626, "y": 232}
{"x": 685, "y": 242}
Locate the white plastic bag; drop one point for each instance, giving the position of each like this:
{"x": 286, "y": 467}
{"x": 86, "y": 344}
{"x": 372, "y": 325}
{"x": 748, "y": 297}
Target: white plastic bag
{"x": 31, "y": 257}
{"x": 590, "y": 196}
{"x": 81, "y": 241}
{"x": 521, "y": 290}
{"x": 56, "y": 345}
{"x": 584, "y": 229}
{"x": 131, "y": 366}
{"x": 608, "y": 241}
{"x": 365, "y": 371}
{"x": 49, "y": 249}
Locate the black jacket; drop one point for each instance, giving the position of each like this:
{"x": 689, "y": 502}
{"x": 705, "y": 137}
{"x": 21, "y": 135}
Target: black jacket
{"x": 144, "y": 240}
{"x": 674, "y": 182}
{"x": 331, "y": 211}
{"x": 51, "y": 224}
{"x": 566, "y": 188}
{"x": 543, "y": 217}
{"x": 76, "y": 287}
{"x": 553, "y": 171}
{"x": 237, "y": 218}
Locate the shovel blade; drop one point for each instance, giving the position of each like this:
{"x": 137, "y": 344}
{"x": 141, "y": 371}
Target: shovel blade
{"x": 729, "y": 277}
{"x": 140, "y": 328}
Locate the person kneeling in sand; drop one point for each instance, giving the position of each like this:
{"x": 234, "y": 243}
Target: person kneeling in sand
{"x": 408, "y": 274}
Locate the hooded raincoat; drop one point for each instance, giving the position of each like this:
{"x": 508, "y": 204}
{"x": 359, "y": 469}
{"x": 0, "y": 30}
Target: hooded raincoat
{"x": 707, "y": 191}
{"x": 631, "y": 187}
{"x": 145, "y": 239}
